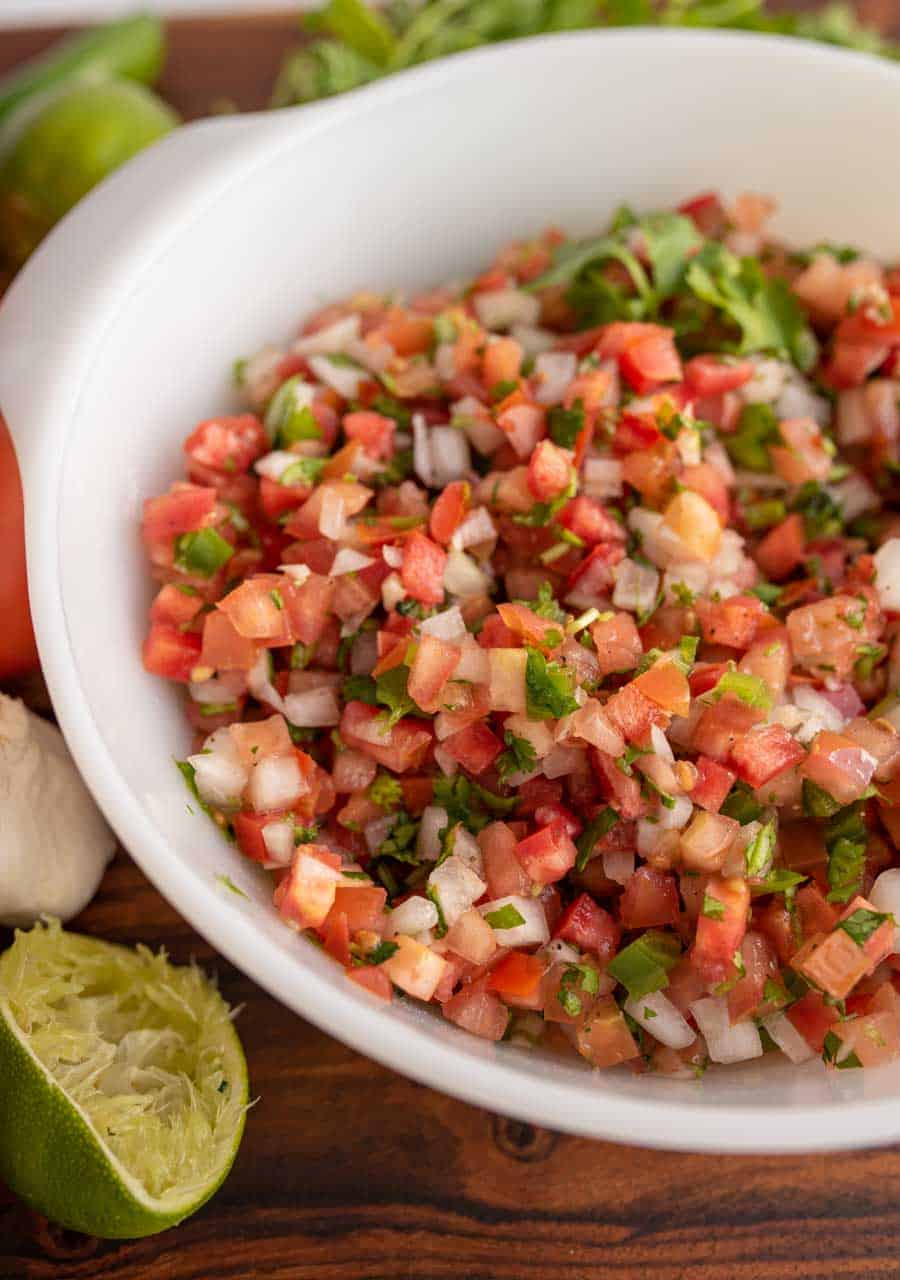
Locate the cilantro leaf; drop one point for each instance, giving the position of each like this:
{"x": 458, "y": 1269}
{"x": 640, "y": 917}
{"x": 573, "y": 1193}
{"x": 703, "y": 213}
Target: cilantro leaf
{"x": 519, "y": 758}
{"x": 861, "y": 924}
{"x": 670, "y": 239}
{"x": 549, "y": 688}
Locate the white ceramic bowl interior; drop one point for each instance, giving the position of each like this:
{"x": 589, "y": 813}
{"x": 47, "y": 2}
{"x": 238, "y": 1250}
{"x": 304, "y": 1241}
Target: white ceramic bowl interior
{"x": 119, "y": 336}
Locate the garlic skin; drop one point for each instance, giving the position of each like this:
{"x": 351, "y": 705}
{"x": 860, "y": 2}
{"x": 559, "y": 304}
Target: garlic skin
{"x": 54, "y": 843}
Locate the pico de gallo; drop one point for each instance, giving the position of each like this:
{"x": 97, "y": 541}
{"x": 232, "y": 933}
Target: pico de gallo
{"x": 541, "y": 635}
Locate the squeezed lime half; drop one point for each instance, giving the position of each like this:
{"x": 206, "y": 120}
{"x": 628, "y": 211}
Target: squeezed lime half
{"x": 123, "y": 1085}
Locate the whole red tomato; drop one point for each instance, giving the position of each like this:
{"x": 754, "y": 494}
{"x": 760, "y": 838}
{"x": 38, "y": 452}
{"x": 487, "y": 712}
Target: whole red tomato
{"x": 18, "y": 652}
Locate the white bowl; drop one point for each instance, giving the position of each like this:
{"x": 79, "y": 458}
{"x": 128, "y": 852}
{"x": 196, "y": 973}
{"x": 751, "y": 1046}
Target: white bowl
{"x": 118, "y": 338}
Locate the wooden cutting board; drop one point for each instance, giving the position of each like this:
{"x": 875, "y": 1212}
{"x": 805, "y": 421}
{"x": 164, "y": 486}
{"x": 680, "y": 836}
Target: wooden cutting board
{"x": 350, "y": 1172}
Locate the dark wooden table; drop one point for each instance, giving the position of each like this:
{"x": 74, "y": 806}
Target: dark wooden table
{"x": 350, "y": 1172}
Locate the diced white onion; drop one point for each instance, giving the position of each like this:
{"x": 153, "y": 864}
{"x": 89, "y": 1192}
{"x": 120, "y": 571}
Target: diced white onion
{"x": 298, "y": 573}
{"x": 531, "y": 339}
{"x": 885, "y": 896}
{"x": 726, "y": 1042}
{"x": 332, "y": 340}
{"x": 332, "y": 514}
{"x": 852, "y": 417}
{"x": 660, "y": 744}
{"x": 474, "y": 664}
{"x": 342, "y": 378}
{"x": 657, "y": 1014}
{"x": 428, "y": 841}
{"x": 502, "y": 308}
{"x": 767, "y": 383}
{"x": 659, "y": 543}
{"x": 468, "y": 850}
{"x": 445, "y": 361}
{"x": 364, "y": 653}
{"x": 413, "y": 916}
{"x": 313, "y": 709}
{"x": 448, "y": 625}
{"x": 275, "y": 783}
{"x": 445, "y": 762}
{"x": 423, "y": 464}
{"x": 457, "y": 887}
{"x": 563, "y": 952}
{"x": 278, "y": 837}
{"x": 636, "y": 586}
{"x": 348, "y": 560}
{"x": 553, "y": 372}
{"x": 393, "y": 556}
{"x": 787, "y": 1037}
{"x": 477, "y": 527}
{"x": 392, "y": 591}
{"x": 602, "y": 478}
{"x": 798, "y": 400}
{"x": 887, "y": 580}
{"x": 259, "y": 682}
{"x": 692, "y": 576}
{"x": 676, "y": 817}
{"x": 618, "y": 865}
{"x": 378, "y": 830}
{"x": 219, "y": 775}
{"x": 818, "y": 713}
{"x": 450, "y": 458}
{"x": 562, "y": 761}
{"x": 463, "y": 577}
{"x": 534, "y": 927}
{"x": 273, "y": 465}
{"x": 854, "y": 495}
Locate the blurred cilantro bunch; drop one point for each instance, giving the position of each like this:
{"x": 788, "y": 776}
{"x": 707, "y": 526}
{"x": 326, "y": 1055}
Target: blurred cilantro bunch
{"x": 359, "y": 43}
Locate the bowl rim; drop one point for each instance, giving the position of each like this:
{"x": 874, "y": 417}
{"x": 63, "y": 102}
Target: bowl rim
{"x": 348, "y": 1015}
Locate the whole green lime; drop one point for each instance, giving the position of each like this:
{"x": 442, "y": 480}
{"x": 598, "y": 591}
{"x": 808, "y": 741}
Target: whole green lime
{"x": 53, "y": 152}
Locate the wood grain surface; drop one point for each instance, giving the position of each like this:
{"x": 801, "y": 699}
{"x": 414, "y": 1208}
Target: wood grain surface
{"x": 350, "y": 1172}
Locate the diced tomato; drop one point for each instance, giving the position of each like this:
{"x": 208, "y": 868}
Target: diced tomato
{"x": 503, "y": 871}
{"x": 478, "y": 1012}
{"x": 719, "y": 934}
{"x": 517, "y": 977}
{"x": 589, "y": 927}
{"x": 815, "y": 914}
{"x": 839, "y": 766}
{"x": 603, "y": 1036}
{"x": 309, "y": 607}
{"x": 475, "y": 747}
{"x": 635, "y": 432}
{"x": 544, "y": 814}
{"x": 633, "y": 714}
{"x": 170, "y": 652}
{"x": 248, "y": 831}
{"x": 402, "y": 747}
{"x": 185, "y": 508}
{"x": 523, "y": 425}
{"x": 591, "y": 582}
{"x": 305, "y": 894}
{"x": 665, "y": 685}
{"x": 526, "y": 625}
{"x": 502, "y": 361}
{"x": 224, "y": 648}
{"x": 649, "y": 899}
{"x": 549, "y": 471}
{"x": 374, "y": 432}
{"x": 651, "y": 361}
{"x": 335, "y": 935}
{"x": 732, "y": 622}
{"x": 449, "y": 510}
{"x": 227, "y": 444}
{"x": 175, "y": 606}
{"x": 275, "y": 498}
{"x": 705, "y": 479}
{"x": 707, "y": 213}
{"x": 782, "y": 549}
{"x": 760, "y": 965}
{"x": 623, "y": 792}
{"x": 432, "y": 667}
{"x": 372, "y": 978}
{"x": 714, "y": 375}
{"x": 776, "y": 922}
{"x": 713, "y": 783}
{"x": 617, "y": 643}
{"x": 758, "y": 756}
{"x": 722, "y": 725}
{"x": 548, "y": 854}
{"x": 422, "y": 572}
{"x": 589, "y": 520}
{"x": 813, "y": 1018}
{"x": 826, "y": 636}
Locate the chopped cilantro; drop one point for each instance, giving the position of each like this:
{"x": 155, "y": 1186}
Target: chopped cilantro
{"x": 862, "y": 923}
{"x": 400, "y": 842}
{"x": 565, "y": 425}
{"x": 549, "y": 688}
{"x": 846, "y": 839}
{"x": 303, "y": 471}
{"x": 760, "y": 851}
{"x": 432, "y": 895}
{"x": 822, "y": 516}
{"x": 386, "y": 792}
{"x": 359, "y": 689}
{"x": 518, "y": 758}
{"x": 381, "y": 952}
{"x": 574, "y": 976}
{"x": 595, "y": 830}
{"x": 778, "y": 881}
{"x": 757, "y": 428}
{"x": 831, "y": 1047}
{"x": 741, "y": 805}
{"x": 505, "y": 917}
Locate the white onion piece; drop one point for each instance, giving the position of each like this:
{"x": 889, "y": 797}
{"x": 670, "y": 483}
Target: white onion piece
{"x": 477, "y": 527}
{"x": 393, "y": 556}
{"x": 854, "y": 495}
{"x": 378, "y": 830}
{"x": 534, "y": 927}
{"x": 474, "y": 663}
{"x": 818, "y": 713}
{"x": 428, "y": 841}
{"x": 445, "y": 361}
{"x": 273, "y": 465}
{"x": 676, "y": 817}
{"x": 483, "y": 434}
{"x": 798, "y": 400}
{"x": 562, "y": 952}
{"x": 553, "y": 372}
{"x": 467, "y": 848}
{"x": 298, "y": 573}
{"x": 463, "y": 577}
{"x": 502, "y": 308}
{"x": 457, "y": 887}
{"x": 636, "y": 586}
{"x": 342, "y": 378}
{"x": 219, "y": 775}
{"x": 647, "y": 836}
{"x": 445, "y": 762}
{"x": 618, "y": 865}
{"x": 413, "y": 916}
{"x": 278, "y": 837}
{"x": 349, "y": 560}
{"x": 450, "y": 459}
{"x": 602, "y": 478}
{"x": 275, "y": 783}
{"x": 260, "y": 375}
{"x": 787, "y": 1037}
{"x": 332, "y": 515}
{"x": 767, "y": 383}
{"x": 531, "y": 339}
{"x": 726, "y": 1042}
{"x": 423, "y": 464}
{"x": 657, "y": 1014}
{"x": 448, "y": 625}
{"x": 260, "y": 684}
{"x": 224, "y": 688}
{"x": 332, "y": 340}
{"x": 853, "y": 420}
{"x": 885, "y": 896}
{"x": 313, "y": 709}
{"x": 887, "y": 580}
{"x": 392, "y": 591}
{"x": 692, "y": 576}
{"x": 660, "y": 744}
{"x": 562, "y": 761}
